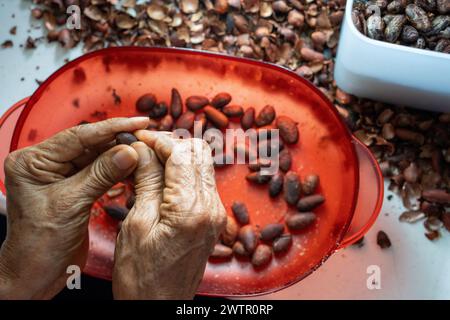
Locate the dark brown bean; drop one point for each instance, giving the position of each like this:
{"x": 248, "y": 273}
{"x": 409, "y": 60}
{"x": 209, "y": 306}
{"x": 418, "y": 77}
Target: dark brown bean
{"x": 291, "y": 187}
{"x": 309, "y": 203}
{"x": 257, "y": 177}
{"x": 288, "y": 129}
{"x": 248, "y": 118}
{"x": 230, "y": 232}
{"x": 282, "y": 243}
{"x": 436, "y": 195}
{"x": 233, "y": 111}
{"x": 240, "y": 212}
{"x": 411, "y": 136}
{"x": 125, "y": 138}
{"x": 130, "y": 201}
{"x": 276, "y": 184}
{"x": 221, "y": 252}
{"x": 310, "y": 184}
{"x": 216, "y": 117}
{"x": 195, "y": 103}
{"x": 375, "y": 27}
{"x": 265, "y": 116}
{"x": 159, "y": 110}
{"x": 239, "y": 250}
{"x": 176, "y": 104}
{"x": 271, "y": 231}
{"x": 146, "y": 102}
{"x": 383, "y": 240}
{"x": 116, "y": 212}
{"x": 248, "y": 238}
{"x": 166, "y": 123}
{"x": 410, "y": 34}
{"x": 418, "y": 17}
{"x": 221, "y": 100}
{"x": 262, "y": 255}
{"x": 186, "y": 120}
{"x": 260, "y": 163}
{"x": 285, "y": 160}
{"x": 394, "y": 28}
{"x": 300, "y": 221}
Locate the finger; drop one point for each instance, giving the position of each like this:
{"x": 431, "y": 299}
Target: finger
{"x": 160, "y": 142}
{"x": 149, "y": 185}
{"x": 71, "y": 143}
{"x": 91, "y": 154}
{"x": 108, "y": 169}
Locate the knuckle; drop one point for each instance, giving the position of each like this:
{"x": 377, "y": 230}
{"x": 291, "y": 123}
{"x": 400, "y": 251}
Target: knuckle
{"x": 103, "y": 173}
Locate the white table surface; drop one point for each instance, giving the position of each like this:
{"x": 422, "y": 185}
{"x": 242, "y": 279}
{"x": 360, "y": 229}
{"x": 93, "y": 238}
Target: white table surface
{"x": 413, "y": 268}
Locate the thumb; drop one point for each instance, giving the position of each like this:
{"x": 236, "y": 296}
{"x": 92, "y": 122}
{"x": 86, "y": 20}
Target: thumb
{"x": 108, "y": 169}
{"x": 149, "y": 185}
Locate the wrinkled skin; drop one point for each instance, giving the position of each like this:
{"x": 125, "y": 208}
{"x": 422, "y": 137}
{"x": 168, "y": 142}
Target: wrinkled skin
{"x": 50, "y": 189}
{"x": 164, "y": 243}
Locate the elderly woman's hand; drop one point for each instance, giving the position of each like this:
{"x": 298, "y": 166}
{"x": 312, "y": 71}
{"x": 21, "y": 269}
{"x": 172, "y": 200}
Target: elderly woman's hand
{"x": 50, "y": 190}
{"x": 164, "y": 243}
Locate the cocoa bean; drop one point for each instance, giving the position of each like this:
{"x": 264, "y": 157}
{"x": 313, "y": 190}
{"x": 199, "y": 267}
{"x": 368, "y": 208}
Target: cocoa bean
{"x": 239, "y": 249}
{"x": 248, "y": 118}
{"x": 221, "y": 252}
{"x": 291, "y": 187}
{"x": 265, "y": 116}
{"x": 216, "y": 117}
{"x": 195, "y": 103}
{"x": 418, "y": 17}
{"x": 116, "y": 212}
{"x": 257, "y": 177}
{"x": 240, "y": 212}
{"x": 158, "y": 110}
{"x": 230, "y": 232}
{"x": 248, "y": 238}
{"x": 276, "y": 184}
{"x": 383, "y": 240}
{"x": 436, "y": 195}
{"x": 282, "y": 244}
{"x": 146, "y": 102}
{"x": 233, "y": 111}
{"x": 310, "y": 184}
{"x": 285, "y": 160}
{"x": 288, "y": 129}
{"x": 271, "y": 231}
{"x": 262, "y": 255}
{"x": 166, "y": 123}
{"x": 300, "y": 221}
{"x": 125, "y": 138}
{"x": 186, "y": 120}
{"x": 309, "y": 203}
{"x": 176, "y": 104}
{"x": 221, "y": 100}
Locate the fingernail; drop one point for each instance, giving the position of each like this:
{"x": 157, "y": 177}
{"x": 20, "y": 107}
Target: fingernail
{"x": 124, "y": 159}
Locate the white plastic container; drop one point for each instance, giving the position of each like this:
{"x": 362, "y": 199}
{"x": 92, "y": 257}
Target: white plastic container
{"x": 391, "y": 73}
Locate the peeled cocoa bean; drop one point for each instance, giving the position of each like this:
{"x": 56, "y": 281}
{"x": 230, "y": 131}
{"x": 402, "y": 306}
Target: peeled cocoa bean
{"x": 257, "y": 177}
{"x": 233, "y": 111}
{"x": 436, "y": 195}
{"x": 271, "y": 231}
{"x": 288, "y": 129}
{"x": 166, "y": 123}
{"x": 195, "y": 103}
{"x": 300, "y": 221}
{"x": 285, "y": 160}
{"x": 221, "y": 252}
{"x": 176, "y": 104}
{"x": 230, "y": 232}
{"x": 310, "y": 183}
{"x": 240, "y": 212}
{"x": 282, "y": 243}
{"x": 265, "y": 116}
{"x": 291, "y": 187}
{"x": 186, "y": 120}
{"x": 221, "y": 100}
{"x": 116, "y": 212}
{"x": 248, "y": 238}
{"x": 145, "y": 102}
{"x": 262, "y": 255}
{"x": 216, "y": 117}
{"x": 276, "y": 184}
{"x": 125, "y": 138}
{"x": 248, "y": 118}
{"x": 308, "y": 203}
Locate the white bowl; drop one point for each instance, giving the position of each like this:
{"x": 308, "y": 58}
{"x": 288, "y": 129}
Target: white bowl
{"x": 390, "y": 72}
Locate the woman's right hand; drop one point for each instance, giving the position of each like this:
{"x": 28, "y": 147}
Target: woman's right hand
{"x": 166, "y": 239}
